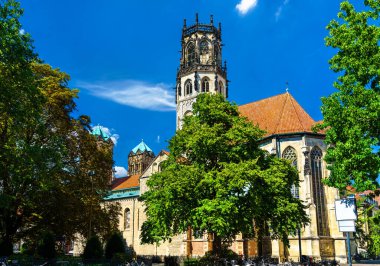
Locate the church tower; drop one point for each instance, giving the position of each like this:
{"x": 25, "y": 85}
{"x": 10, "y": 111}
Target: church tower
{"x": 201, "y": 69}
{"x": 139, "y": 159}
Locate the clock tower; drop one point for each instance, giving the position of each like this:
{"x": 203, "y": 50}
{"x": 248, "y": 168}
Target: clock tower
{"x": 201, "y": 69}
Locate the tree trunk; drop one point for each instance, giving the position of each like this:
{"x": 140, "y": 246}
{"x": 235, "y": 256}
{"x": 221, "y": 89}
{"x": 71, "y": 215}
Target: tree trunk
{"x": 217, "y": 245}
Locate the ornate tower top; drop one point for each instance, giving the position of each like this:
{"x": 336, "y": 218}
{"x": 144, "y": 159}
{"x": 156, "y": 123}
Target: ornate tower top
{"x": 201, "y": 69}
{"x": 139, "y": 159}
{"x": 201, "y": 48}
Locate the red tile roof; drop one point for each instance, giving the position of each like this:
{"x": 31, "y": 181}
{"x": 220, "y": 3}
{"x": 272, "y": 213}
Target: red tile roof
{"x": 126, "y": 182}
{"x": 278, "y": 115}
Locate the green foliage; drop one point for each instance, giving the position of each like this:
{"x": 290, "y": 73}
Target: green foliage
{"x": 46, "y": 155}
{"x": 171, "y": 261}
{"x": 46, "y": 246}
{"x": 218, "y": 180}
{"x": 93, "y": 249}
{"x": 352, "y": 114}
{"x": 374, "y": 227}
{"x": 115, "y": 244}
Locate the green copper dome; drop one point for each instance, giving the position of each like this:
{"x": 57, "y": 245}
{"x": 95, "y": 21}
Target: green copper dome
{"x": 99, "y": 132}
{"x": 141, "y": 147}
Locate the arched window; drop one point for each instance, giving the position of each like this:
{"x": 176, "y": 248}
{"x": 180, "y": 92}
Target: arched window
{"x": 179, "y": 90}
{"x": 221, "y": 87}
{"x": 291, "y": 155}
{"x": 203, "y": 47}
{"x": 318, "y": 191}
{"x": 205, "y": 85}
{"x": 218, "y": 58}
{"x": 188, "y": 87}
{"x": 190, "y": 54}
{"x": 127, "y": 218}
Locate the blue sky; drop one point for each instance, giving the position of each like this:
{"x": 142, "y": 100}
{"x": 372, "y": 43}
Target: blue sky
{"x": 123, "y": 56}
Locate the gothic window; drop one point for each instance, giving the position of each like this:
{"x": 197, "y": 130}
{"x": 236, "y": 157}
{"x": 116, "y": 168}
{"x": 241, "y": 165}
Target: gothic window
{"x": 203, "y": 47}
{"x": 188, "y": 87}
{"x": 218, "y": 58}
{"x": 179, "y": 90}
{"x": 190, "y": 53}
{"x": 205, "y": 85}
{"x": 318, "y": 191}
{"x": 291, "y": 155}
{"x": 221, "y": 87}
{"x": 127, "y": 218}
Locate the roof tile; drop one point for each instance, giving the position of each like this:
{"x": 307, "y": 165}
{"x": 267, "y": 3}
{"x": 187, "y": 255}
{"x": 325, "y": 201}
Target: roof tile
{"x": 127, "y": 182}
{"x": 278, "y": 115}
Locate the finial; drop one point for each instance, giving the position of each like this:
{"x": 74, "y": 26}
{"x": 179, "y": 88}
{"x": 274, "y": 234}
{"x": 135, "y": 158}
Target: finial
{"x": 184, "y": 23}
{"x": 287, "y": 87}
{"x": 196, "y": 18}
{"x": 211, "y": 19}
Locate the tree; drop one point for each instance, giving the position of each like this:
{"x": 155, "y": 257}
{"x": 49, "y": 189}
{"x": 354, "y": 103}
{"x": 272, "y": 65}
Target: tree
{"x": 115, "y": 244}
{"x": 352, "y": 114}
{"x": 20, "y": 108}
{"x": 46, "y": 245}
{"x": 93, "y": 249}
{"x": 217, "y": 180}
{"x": 46, "y": 155}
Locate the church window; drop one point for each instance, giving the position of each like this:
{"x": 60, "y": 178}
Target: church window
{"x": 204, "y": 47}
{"x": 188, "y": 87}
{"x": 205, "y": 85}
{"x": 318, "y": 191}
{"x": 291, "y": 155}
{"x": 217, "y": 54}
{"x": 127, "y": 218}
{"x": 190, "y": 52}
{"x": 179, "y": 90}
{"x": 221, "y": 87}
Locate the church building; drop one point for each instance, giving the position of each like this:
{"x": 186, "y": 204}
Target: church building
{"x": 288, "y": 135}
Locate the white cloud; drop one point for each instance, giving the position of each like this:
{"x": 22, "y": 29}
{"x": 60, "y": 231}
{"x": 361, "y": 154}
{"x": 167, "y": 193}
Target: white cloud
{"x": 158, "y": 140}
{"x": 138, "y": 94}
{"x": 245, "y": 5}
{"x": 120, "y": 171}
{"x": 22, "y": 31}
{"x": 279, "y": 9}
{"x": 106, "y": 130}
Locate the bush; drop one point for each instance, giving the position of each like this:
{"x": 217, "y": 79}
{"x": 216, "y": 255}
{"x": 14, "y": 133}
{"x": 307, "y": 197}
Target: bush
{"x": 130, "y": 253}
{"x": 115, "y": 244}
{"x": 93, "y": 249}
{"x": 6, "y": 247}
{"x": 171, "y": 261}
{"x": 46, "y": 245}
{"x": 119, "y": 259}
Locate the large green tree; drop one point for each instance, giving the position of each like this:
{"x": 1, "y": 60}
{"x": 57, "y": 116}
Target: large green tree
{"x": 20, "y": 108}
{"x": 53, "y": 172}
{"x": 218, "y": 180}
{"x": 351, "y": 115}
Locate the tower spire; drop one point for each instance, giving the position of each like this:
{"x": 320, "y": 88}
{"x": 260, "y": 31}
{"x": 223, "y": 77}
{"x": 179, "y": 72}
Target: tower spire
{"x": 201, "y": 67}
